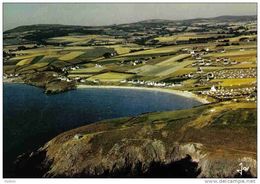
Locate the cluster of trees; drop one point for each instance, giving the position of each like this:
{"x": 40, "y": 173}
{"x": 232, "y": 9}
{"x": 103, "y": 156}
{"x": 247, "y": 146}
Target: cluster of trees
{"x": 199, "y": 40}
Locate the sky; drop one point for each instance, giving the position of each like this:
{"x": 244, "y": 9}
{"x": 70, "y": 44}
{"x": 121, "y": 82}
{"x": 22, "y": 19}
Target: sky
{"x": 95, "y": 14}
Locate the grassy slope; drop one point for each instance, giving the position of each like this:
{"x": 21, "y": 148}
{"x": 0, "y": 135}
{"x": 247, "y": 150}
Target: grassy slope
{"x": 224, "y": 132}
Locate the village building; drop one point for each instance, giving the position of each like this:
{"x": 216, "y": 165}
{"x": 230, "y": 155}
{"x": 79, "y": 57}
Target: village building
{"x": 78, "y": 136}
{"x": 199, "y": 70}
{"x": 213, "y": 89}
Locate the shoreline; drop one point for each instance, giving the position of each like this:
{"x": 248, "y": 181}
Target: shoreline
{"x": 175, "y": 92}
{"x": 12, "y": 81}
{"x": 186, "y": 94}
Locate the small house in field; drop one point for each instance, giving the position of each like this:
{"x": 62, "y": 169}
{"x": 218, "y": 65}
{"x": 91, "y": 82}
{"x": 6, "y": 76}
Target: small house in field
{"x": 210, "y": 75}
{"x": 213, "y": 89}
{"x": 226, "y": 61}
{"x": 109, "y": 54}
{"x": 233, "y": 62}
{"x": 192, "y": 52}
{"x": 82, "y": 80}
{"x": 218, "y": 59}
{"x": 78, "y": 136}
{"x": 190, "y": 75}
{"x": 199, "y": 70}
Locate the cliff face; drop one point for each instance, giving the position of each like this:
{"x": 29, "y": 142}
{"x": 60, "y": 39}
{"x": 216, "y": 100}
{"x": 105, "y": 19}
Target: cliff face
{"x": 207, "y": 141}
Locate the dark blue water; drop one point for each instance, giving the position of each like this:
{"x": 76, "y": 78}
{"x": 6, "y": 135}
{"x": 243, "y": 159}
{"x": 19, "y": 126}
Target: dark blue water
{"x": 31, "y": 117}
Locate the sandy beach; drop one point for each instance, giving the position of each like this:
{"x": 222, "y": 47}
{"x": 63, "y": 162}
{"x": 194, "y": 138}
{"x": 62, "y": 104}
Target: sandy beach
{"x": 175, "y": 92}
{"x": 186, "y": 94}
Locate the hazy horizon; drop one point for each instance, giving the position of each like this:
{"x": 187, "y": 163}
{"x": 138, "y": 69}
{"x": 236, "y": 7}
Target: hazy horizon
{"x": 99, "y": 14}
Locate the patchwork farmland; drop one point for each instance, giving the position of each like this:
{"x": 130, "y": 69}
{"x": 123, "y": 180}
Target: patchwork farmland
{"x": 173, "y": 59}
{"x": 211, "y": 62}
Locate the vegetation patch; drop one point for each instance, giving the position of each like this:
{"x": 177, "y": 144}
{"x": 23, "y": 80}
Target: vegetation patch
{"x": 235, "y": 82}
{"x": 70, "y": 56}
{"x": 24, "y": 62}
{"x": 111, "y": 76}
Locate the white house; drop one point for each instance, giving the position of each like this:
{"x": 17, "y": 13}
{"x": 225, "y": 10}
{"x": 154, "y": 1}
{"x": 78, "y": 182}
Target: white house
{"x": 213, "y": 89}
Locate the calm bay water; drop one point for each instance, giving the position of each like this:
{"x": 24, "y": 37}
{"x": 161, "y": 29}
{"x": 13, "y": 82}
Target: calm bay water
{"x": 31, "y": 117}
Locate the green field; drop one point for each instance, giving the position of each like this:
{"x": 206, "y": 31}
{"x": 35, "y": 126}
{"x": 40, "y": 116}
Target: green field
{"x": 183, "y": 71}
{"x": 236, "y": 39}
{"x": 70, "y": 56}
{"x": 74, "y": 75}
{"x": 244, "y": 65}
{"x": 162, "y": 69}
{"x": 186, "y": 36}
{"x": 111, "y": 76}
{"x": 34, "y": 66}
{"x": 47, "y": 59}
{"x": 72, "y": 39}
{"x": 173, "y": 60}
{"x": 95, "y": 53}
{"x": 162, "y": 50}
{"x": 84, "y": 39}
{"x": 235, "y": 82}
{"x": 251, "y": 52}
{"x": 24, "y": 62}
{"x": 169, "y": 49}
{"x": 87, "y": 70}
{"x": 124, "y": 49}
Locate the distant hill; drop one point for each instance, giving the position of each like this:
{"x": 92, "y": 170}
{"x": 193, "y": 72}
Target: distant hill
{"x": 150, "y": 21}
{"x": 155, "y": 21}
{"x": 39, "y": 33}
{"x": 36, "y": 27}
{"x": 225, "y": 18}
{"x": 237, "y": 18}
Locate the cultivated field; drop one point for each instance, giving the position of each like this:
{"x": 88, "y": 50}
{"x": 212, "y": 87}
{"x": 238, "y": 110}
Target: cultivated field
{"x": 70, "y": 56}
{"x": 110, "y": 76}
{"x": 87, "y": 70}
{"x": 235, "y": 82}
{"x": 185, "y": 37}
{"x": 182, "y": 56}
{"x": 173, "y": 60}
